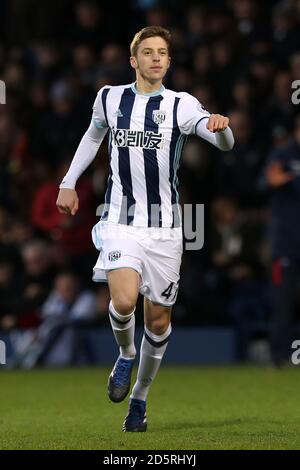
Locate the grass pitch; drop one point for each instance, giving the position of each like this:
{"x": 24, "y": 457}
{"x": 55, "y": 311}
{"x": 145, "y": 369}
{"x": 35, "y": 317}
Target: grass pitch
{"x": 188, "y": 408}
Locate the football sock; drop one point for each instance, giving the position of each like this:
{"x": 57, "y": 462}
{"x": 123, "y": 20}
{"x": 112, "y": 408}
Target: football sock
{"x": 152, "y": 351}
{"x": 124, "y": 328}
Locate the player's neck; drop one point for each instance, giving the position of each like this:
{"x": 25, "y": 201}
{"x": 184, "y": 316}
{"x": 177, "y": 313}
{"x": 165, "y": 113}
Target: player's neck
{"x": 145, "y": 87}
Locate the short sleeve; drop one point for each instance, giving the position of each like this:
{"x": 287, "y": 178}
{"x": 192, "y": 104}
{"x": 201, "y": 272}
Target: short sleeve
{"x": 99, "y": 117}
{"x": 190, "y": 113}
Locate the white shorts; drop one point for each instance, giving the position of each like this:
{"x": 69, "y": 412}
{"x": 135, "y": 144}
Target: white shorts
{"x": 154, "y": 252}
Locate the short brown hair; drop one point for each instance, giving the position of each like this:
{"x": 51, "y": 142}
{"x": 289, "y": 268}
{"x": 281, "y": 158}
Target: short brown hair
{"x": 149, "y": 32}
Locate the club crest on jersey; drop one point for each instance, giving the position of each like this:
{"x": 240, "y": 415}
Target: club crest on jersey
{"x": 114, "y": 255}
{"x": 158, "y": 116}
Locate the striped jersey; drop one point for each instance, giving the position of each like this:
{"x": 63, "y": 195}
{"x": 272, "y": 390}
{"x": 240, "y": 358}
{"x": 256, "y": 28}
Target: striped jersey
{"x": 147, "y": 133}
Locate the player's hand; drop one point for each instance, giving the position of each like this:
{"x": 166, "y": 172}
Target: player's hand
{"x": 276, "y": 176}
{"x": 217, "y": 123}
{"x": 67, "y": 201}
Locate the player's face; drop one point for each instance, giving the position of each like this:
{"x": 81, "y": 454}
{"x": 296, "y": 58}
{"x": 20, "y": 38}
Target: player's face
{"x": 152, "y": 59}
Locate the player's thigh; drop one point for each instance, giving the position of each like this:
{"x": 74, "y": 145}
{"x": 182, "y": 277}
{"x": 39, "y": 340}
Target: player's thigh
{"x": 124, "y": 289}
{"x": 157, "y": 317}
{"x": 161, "y": 271}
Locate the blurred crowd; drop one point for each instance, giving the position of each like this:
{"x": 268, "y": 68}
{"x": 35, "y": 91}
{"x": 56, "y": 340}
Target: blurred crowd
{"x": 238, "y": 57}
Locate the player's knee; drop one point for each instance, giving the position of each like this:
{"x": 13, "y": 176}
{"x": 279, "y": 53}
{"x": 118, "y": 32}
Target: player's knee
{"x": 124, "y": 305}
{"x": 159, "y": 326}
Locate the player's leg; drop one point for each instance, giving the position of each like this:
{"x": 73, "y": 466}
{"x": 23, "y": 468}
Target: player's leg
{"x": 154, "y": 344}
{"x": 124, "y": 289}
{"x": 160, "y": 274}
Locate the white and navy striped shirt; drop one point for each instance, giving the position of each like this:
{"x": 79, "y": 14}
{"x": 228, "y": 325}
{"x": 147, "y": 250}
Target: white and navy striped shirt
{"x": 146, "y": 138}
{"x": 147, "y": 134}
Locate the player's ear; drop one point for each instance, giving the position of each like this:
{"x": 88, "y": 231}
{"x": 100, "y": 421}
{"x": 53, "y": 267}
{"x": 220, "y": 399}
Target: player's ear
{"x": 133, "y": 62}
{"x": 169, "y": 62}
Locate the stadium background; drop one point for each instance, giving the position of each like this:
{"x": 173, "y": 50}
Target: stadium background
{"x": 239, "y": 58}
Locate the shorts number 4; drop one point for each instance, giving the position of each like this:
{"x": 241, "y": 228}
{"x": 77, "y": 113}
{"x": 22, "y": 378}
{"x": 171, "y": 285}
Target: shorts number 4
{"x": 171, "y": 291}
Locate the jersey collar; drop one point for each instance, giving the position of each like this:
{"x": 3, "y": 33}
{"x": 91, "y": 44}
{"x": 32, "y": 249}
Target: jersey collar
{"x": 155, "y": 93}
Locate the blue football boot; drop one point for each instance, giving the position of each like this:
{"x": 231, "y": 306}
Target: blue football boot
{"x": 119, "y": 379}
{"x": 136, "y": 420}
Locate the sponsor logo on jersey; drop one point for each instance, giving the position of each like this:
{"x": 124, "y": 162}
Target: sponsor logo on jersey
{"x": 114, "y": 255}
{"x": 144, "y": 139}
{"x": 158, "y": 116}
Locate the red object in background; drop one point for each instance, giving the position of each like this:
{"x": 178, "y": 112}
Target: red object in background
{"x": 72, "y": 233}
{"x": 28, "y": 320}
{"x": 277, "y": 272}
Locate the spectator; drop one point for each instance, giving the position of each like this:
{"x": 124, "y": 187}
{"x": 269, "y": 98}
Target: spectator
{"x": 238, "y": 270}
{"x": 10, "y": 295}
{"x": 239, "y": 169}
{"x": 282, "y": 173}
{"x": 39, "y": 272}
{"x": 71, "y": 235}
{"x": 67, "y": 309}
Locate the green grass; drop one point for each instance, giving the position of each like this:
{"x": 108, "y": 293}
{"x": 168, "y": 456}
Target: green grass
{"x": 189, "y": 408}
